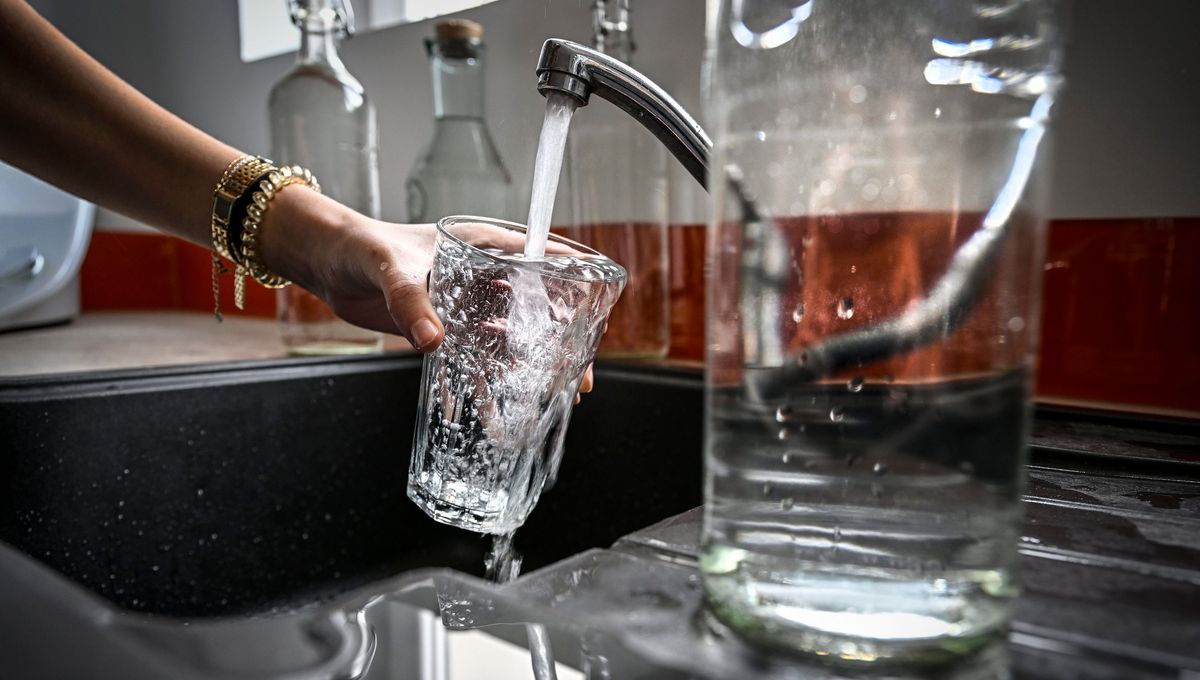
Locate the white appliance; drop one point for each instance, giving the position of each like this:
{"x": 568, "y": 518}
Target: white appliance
{"x": 44, "y": 234}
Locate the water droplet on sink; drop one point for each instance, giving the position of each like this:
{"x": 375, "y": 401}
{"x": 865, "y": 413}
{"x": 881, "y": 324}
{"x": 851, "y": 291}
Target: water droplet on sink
{"x": 786, "y": 504}
{"x": 767, "y": 489}
{"x": 783, "y": 413}
{"x": 855, "y": 384}
{"x": 798, "y": 313}
{"x": 837, "y": 414}
{"x": 880, "y": 469}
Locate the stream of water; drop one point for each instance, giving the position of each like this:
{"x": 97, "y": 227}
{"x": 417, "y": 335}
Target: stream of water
{"x": 546, "y": 170}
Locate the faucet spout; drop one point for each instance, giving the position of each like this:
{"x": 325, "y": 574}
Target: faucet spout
{"x": 580, "y": 72}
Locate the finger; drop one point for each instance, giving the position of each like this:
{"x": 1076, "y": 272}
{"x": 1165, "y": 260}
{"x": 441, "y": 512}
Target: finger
{"x": 408, "y": 303}
{"x": 585, "y": 385}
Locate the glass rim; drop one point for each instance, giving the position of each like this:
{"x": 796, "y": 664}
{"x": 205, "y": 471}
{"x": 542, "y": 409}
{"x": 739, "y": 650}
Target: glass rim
{"x": 444, "y": 223}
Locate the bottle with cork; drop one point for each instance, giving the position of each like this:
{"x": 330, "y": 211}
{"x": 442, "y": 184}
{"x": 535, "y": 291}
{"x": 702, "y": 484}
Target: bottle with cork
{"x": 460, "y": 172}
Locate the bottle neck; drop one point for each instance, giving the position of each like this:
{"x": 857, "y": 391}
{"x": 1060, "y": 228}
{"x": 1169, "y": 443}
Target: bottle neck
{"x": 320, "y": 47}
{"x": 321, "y": 23}
{"x": 457, "y": 85}
{"x": 613, "y": 34}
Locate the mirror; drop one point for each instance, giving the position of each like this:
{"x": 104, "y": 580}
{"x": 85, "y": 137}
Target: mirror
{"x": 265, "y": 27}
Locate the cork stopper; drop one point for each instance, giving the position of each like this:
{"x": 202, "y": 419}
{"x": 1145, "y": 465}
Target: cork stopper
{"x": 456, "y": 39}
{"x": 458, "y": 30}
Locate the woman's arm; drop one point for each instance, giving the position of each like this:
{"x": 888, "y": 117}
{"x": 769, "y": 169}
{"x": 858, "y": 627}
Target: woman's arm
{"x": 72, "y": 122}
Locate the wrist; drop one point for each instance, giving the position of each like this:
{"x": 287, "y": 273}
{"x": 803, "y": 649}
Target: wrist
{"x": 300, "y": 222}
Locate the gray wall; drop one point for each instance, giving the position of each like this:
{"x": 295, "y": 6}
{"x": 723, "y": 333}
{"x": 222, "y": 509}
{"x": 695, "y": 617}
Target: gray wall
{"x": 1126, "y": 140}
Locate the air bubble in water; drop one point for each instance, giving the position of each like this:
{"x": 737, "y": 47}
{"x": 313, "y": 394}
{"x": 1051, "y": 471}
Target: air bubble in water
{"x": 845, "y": 308}
{"x": 783, "y": 414}
{"x": 837, "y": 414}
{"x": 880, "y": 469}
{"x": 786, "y": 504}
{"x": 855, "y": 384}
{"x": 767, "y": 489}
{"x": 798, "y": 313}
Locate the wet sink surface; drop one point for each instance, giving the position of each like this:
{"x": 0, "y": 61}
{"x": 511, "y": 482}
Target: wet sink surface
{"x": 228, "y": 490}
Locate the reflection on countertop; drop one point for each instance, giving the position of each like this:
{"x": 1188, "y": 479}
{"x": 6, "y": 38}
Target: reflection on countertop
{"x": 118, "y": 340}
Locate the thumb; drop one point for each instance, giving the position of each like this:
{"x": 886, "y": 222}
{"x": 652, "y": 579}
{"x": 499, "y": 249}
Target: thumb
{"x": 408, "y": 303}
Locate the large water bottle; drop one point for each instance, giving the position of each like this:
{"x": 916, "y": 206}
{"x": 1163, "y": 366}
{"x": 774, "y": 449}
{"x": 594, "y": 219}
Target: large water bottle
{"x": 873, "y": 314}
{"x": 460, "y": 173}
{"x": 321, "y": 119}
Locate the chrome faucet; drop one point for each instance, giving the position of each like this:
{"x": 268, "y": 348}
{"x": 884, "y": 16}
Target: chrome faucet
{"x": 580, "y": 72}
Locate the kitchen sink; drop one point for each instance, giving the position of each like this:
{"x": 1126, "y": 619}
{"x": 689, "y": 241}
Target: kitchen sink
{"x": 250, "y": 521}
{"x": 236, "y": 489}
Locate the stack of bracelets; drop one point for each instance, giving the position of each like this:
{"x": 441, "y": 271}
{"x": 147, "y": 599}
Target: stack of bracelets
{"x": 240, "y": 200}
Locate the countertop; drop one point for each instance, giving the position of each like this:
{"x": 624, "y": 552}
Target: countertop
{"x": 101, "y": 341}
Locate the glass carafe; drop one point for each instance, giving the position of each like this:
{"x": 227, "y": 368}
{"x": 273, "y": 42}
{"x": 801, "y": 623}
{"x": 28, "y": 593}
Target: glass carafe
{"x": 617, "y": 197}
{"x": 873, "y": 314}
{"x": 321, "y": 119}
{"x": 460, "y": 172}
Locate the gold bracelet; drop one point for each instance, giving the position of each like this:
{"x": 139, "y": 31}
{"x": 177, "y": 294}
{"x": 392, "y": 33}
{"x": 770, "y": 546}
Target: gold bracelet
{"x": 270, "y": 185}
{"x": 237, "y": 178}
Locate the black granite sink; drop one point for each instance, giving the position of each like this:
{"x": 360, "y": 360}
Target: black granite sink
{"x": 225, "y": 490}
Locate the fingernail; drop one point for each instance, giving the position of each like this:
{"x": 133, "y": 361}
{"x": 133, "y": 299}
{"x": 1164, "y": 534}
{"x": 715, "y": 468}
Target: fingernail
{"x": 424, "y": 333}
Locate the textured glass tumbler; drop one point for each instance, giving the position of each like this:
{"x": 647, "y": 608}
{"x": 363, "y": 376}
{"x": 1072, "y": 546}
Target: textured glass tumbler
{"x": 497, "y": 394}
{"x": 873, "y": 313}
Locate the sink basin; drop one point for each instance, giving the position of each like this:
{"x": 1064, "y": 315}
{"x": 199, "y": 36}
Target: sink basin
{"x": 172, "y": 503}
{"x": 226, "y": 490}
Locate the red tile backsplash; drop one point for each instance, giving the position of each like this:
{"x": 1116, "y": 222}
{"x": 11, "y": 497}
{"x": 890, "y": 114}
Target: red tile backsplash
{"x": 1120, "y": 321}
{"x": 1121, "y": 313}
{"x": 128, "y": 271}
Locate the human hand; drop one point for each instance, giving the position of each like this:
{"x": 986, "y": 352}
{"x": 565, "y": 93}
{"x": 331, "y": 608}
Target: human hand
{"x": 371, "y": 273}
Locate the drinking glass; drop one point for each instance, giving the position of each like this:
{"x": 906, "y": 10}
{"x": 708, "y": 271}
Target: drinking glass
{"x": 497, "y": 394}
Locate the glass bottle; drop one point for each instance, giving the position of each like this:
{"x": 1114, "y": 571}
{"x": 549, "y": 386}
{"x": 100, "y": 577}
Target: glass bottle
{"x": 872, "y": 319}
{"x": 617, "y": 187}
{"x": 321, "y": 119}
{"x": 461, "y": 172}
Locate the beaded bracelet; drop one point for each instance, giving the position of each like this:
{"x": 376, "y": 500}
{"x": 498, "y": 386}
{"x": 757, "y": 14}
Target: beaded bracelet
{"x": 268, "y": 186}
{"x": 236, "y": 219}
